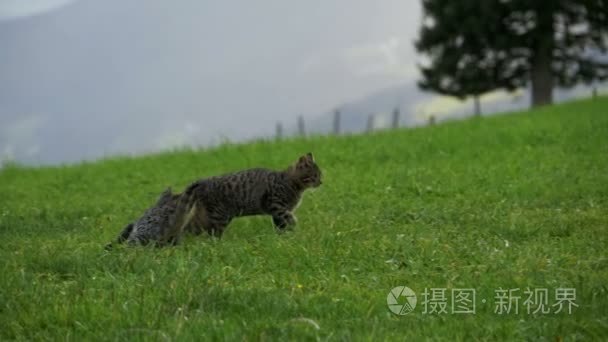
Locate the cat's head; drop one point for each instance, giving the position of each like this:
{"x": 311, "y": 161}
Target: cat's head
{"x": 165, "y": 196}
{"x": 307, "y": 171}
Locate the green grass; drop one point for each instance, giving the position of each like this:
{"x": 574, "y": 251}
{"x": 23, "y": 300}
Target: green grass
{"x": 511, "y": 201}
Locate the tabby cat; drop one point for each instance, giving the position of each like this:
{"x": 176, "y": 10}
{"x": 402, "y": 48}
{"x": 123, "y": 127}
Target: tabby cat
{"x": 252, "y": 192}
{"x": 162, "y": 224}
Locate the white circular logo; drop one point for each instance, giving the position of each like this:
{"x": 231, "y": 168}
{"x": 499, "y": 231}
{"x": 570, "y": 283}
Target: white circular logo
{"x": 399, "y": 305}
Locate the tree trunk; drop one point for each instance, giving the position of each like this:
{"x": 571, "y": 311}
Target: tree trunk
{"x": 542, "y": 59}
{"x": 542, "y": 80}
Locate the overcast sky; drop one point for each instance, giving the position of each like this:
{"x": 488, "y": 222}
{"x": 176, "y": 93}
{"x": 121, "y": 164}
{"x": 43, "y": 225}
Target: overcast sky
{"x": 87, "y": 78}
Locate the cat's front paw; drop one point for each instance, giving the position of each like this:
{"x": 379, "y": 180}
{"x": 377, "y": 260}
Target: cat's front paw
{"x": 291, "y": 220}
{"x": 284, "y": 229}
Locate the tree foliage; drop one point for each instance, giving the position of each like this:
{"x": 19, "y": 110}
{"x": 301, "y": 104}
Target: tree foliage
{"x": 479, "y": 46}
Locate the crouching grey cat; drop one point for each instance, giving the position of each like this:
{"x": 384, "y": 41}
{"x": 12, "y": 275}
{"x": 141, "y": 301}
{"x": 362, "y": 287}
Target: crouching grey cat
{"x": 162, "y": 224}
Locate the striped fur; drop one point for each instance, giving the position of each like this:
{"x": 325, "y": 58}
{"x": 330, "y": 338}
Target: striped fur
{"x": 162, "y": 224}
{"x": 252, "y": 192}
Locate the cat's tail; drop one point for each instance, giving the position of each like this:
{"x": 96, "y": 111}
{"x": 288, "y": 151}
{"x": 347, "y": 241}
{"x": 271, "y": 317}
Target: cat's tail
{"x": 124, "y": 235}
{"x": 192, "y": 188}
{"x": 185, "y": 209}
{"x": 190, "y": 197}
{"x": 190, "y": 205}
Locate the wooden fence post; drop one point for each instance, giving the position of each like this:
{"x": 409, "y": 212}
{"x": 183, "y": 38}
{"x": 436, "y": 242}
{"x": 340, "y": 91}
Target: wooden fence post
{"x": 431, "y": 120}
{"x": 396, "y": 117}
{"x": 279, "y": 130}
{"x": 477, "y": 105}
{"x": 301, "y": 130}
{"x": 370, "y": 123}
{"x": 337, "y": 122}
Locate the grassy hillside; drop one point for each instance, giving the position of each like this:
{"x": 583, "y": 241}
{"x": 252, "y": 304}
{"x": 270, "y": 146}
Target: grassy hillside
{"x": 517, "y": 201}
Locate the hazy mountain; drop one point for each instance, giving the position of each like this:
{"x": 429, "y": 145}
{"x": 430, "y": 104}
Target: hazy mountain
{"x": 417, "y": 106}
{"x": 354, "y": 115}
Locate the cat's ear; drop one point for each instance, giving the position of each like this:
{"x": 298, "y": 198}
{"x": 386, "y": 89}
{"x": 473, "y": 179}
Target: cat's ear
{"x": 306, "y": 159}
{"x": 302, "y": 161}
{"x": 165, "y": 195}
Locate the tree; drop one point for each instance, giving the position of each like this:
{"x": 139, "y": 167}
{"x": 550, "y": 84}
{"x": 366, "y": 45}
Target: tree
{"x": 479, "y": 46}
{"x": 451, "y": 36}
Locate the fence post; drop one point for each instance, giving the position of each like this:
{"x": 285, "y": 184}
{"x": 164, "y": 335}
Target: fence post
{"x": 370, "y": 123}
{"x": 337, "y": 121}
{"x": 431, "y": 120}
{"x": 477, "y": 105}
{"x": 301, "y": 130}
{"x": 594, "y": 92}
{"x": 279, "y": 130}
{"x": 396, "y": 117}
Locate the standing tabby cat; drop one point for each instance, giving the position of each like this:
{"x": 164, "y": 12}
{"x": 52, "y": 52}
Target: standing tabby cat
{"x": 252, "y": 192}
{"x": 162, "y": 224}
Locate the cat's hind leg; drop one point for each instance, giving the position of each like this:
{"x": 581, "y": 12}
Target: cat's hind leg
{"x": 216, "y": 225}
{"x": 174, "y": 240}
{"x": 122, "y": 237}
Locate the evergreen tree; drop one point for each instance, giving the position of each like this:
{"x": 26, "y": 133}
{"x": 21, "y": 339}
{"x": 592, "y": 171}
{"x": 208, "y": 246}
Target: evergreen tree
{"x": 479, "y": 46}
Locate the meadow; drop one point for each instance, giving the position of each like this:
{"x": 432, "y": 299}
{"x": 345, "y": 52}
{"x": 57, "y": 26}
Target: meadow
{"x": 507, "y": 202}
